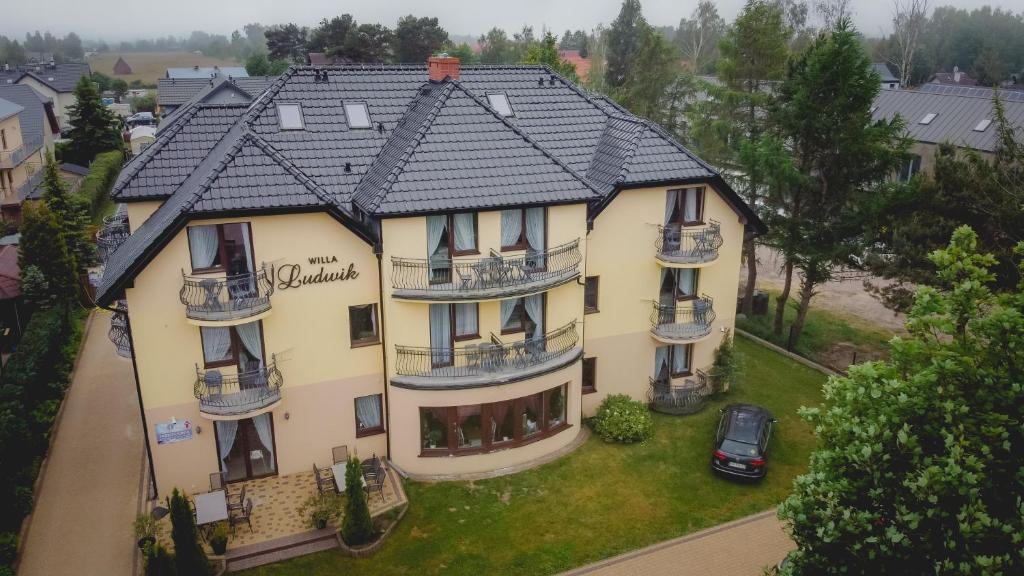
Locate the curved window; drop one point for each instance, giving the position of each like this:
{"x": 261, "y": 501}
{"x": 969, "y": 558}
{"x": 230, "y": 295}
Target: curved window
{"x": 479, "y": 428}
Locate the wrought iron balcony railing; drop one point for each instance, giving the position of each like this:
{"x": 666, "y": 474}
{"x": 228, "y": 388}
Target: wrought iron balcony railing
{"x": 235, "y": 394}
{"x": 685, "y": 398}
{"x": 684, "y": 320}
{"x": 15, "y": 156}
{"x": 234, "y": 297}
{"x": 118, "y": 332}
{"x": 481, "y": 278}
{"x": 486, "y": 362}
{"x": 112, "y": 234}
{"x": 689, "y": 245}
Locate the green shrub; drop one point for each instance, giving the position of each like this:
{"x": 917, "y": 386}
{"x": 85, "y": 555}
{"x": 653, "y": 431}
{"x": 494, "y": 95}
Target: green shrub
{"x": 727, "y": 367}
{"x": 357, "y": 527}
{"x": 159, "y": 561}
{"x": 219, "y": 538}
{"x": 319, "y": 509}
{"x": 189, "y": 556}
{"x": 8, "y": 547}
{"x": 622, "y": 419}
{"x": 96, "y": 185}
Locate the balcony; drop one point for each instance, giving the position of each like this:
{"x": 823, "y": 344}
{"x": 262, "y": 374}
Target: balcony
{"x": 227, "y": 299}
{"x": 24, "y": 191}
{"x": 15, "y": 156}
{"x": 688, "y": 246}
{"x": 683, "y": 321}
{"x": 494, "y": 277}
{"x": 238, "y": 394}
{"x": 112, "y": 234}
{"x": 118, "y": 332}
{"x": 487, "y": 363}
{"x": 686, "y": 397}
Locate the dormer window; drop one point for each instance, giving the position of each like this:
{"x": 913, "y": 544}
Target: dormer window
{"x": 290, "y": 116}
{"x": 358, "y": 115}
{"x": 928, "y": 118}
{"x": 500, "y": 104}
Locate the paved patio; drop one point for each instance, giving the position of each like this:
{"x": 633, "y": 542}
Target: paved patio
{"x": 276, "y": 504}
{"x": 742, "y": 547}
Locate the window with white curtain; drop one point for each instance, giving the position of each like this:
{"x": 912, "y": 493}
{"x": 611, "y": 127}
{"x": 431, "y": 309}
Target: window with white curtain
{"x": 464, "y": 233}
{"x": 369, "y": 415}
{"x": 685, "y": 207}
{"x": 221, "y": 247}
{"x": 467, "y": 322}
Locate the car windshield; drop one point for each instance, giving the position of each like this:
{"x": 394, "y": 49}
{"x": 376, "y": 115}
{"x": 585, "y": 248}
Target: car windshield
{"x": 743, "y": 427}
{"x": 738, "y": 448}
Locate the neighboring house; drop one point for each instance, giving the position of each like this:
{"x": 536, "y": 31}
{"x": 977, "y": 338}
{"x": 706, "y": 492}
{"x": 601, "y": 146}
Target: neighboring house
{"x": 207, "y": 72}
{"x": 889, "y": 82}
{"x": 73, "y": 174}
{"x": 54, "y": 81}
{"x": 400, "y": 259}
{"x": 121, "y": 67}
{"x": 173, "y": 93}
{"x": 933, "y": 118}
{"x": 140, "y": 137}
{"x": 573, "y": 57}
{"x": 954, "y": 78}
{"x": 27, "y": 130}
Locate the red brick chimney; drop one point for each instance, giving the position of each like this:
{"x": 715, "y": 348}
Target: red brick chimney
{"x": 438, "y": 67}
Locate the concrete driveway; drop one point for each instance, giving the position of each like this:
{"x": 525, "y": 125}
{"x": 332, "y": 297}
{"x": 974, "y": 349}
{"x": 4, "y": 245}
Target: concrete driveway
{"x": 90, "y": 493}
{"x": 742, "y": 547}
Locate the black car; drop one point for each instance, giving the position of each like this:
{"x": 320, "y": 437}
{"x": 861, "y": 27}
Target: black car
{"x": 741, "y": 444}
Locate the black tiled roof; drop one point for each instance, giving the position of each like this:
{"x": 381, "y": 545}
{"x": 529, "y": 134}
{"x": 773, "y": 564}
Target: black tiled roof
{"x": 33, "y": 114}
{"x": 179, "y": 91}
{"x": 160, "y": 169}
{"x": 426, "y": 152}
{"x": 59, "y": 77}
{"x": 449, "y": 135}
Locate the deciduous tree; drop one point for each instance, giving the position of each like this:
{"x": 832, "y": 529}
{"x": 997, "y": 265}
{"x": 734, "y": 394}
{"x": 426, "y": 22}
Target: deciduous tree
{"x": 698, "y": 36}
{"x": 287, "y": 42}
{"x": 918, "y": 466}
{"x": 546, "y": 52}
{"x": 416, "y": 39}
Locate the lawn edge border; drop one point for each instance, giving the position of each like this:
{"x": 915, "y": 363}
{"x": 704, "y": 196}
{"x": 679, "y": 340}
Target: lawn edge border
{"x": 26, "y": 524}
{"x": 370, "y": 549}
{"x": 792, "y": 356}
{"x": 710, "y": 531}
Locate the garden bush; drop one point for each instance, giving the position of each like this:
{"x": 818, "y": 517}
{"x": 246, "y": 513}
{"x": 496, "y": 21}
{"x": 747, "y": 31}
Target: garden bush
{"x": 727, "y": 367}
{"x": 357, "y": 527}
{"x": 96, "y": 186}
{"x": 622, "y": 419}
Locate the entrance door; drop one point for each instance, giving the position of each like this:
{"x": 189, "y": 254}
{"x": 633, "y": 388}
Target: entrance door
{"x": 246, "y": 447}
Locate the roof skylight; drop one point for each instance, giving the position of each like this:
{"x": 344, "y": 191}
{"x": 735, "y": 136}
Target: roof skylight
{"x": 290, "y": 116}
{"x": 983, "y": 125}
{"x": 928, "y": 118}
{"x": 500, "y": 104}
{"x": 358, "y": 115}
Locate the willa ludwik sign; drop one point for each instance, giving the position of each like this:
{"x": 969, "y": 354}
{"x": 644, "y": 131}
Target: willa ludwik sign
{"x": 330, "y": 270}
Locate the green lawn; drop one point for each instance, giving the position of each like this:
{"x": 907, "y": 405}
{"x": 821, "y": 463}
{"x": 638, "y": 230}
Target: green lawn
{"x": 828, "y": 338}
{"x": 599, "y": 501}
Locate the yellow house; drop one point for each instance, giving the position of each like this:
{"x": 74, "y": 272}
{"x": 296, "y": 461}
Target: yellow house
{"x": 445, "y": 267}
{"x": 27, "y": 126}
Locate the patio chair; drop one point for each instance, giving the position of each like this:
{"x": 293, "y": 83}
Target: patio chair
{"x": 340, "y": 454}
{"x": 324, "y": 480}
{"x": 211, "y": 293}
{"x": 376, "y": 485}
{"x": 217, "y": 481}
{"x": 243, "y": 514}
{"x": 371, "y": 467}
{"x": 214, "y": 382}
{"x": 241, "y": 500}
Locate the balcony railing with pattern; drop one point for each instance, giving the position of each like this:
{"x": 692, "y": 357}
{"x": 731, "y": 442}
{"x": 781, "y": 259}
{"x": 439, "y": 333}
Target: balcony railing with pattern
{"x": 238, "y": 394}
{"x": 684, "y": 320}
{"x": 685, "y": 397}
{"x": 689, "y": 245}
{"x": 236, "y": 297}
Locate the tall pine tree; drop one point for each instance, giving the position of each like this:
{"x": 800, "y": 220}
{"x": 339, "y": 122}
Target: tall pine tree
{"x": 42, "y": 247}
{"x": 71, "y": 212}
{"x": 93, "y": 126}
{"x": 623, "y": 41}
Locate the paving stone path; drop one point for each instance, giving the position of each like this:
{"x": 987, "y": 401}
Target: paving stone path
{"x": 744, "y": 547}
{"x": 90, "y": 491}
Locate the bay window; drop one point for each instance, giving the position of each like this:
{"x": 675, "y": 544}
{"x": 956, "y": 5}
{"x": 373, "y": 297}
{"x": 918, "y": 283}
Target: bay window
{"x": 479, "y": 428}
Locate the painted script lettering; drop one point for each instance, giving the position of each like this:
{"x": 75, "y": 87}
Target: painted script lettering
{"x": 291, "y": 276}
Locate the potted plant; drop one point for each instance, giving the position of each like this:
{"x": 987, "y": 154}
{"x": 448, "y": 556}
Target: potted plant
{"x": 320, "y": 509}
{"x": 145, "y": 528}
{"x": 219, "y": 538}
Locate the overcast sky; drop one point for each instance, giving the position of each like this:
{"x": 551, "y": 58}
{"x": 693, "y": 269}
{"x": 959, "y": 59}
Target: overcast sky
{"x": 131, "y": 20}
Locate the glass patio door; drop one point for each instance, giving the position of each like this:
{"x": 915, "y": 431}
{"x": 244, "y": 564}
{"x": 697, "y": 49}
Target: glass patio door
{"x": 246, "y": 447}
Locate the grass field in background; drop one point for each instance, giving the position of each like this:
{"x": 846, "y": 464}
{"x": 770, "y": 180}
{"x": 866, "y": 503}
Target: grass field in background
{"x": 151, "y": 66}
{"x": 599, "y": 501}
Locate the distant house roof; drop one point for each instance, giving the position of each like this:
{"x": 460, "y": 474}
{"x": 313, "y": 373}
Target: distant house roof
{"x": 175, "y": 94}
{"x": 432, "y": 147}
{"x": 975, "y": 91}
{"x": 58, "y": 77}
{"x": 956, "y": 78}
{"x": 207, "y": 72}
{"x": 884, "y": 72}
{"x": 956, "y": 117}
{"x": 34, "y": 116}
{"x": 122, "y": 67}
{"x": 10, "y": 272}
{"x": 573, "y": 57}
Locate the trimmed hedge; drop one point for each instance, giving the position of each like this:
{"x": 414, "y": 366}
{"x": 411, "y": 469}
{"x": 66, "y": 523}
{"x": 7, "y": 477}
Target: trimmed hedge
{"x": 96, "y": 186}
{"x": 32, "y": 388}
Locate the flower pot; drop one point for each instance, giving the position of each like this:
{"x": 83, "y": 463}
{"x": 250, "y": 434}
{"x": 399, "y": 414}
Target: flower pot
{"x": 321, "y": 523}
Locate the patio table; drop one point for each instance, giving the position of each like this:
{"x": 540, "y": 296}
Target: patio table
{"x": 211, "y": 507}
{"x": 339, "y": 476}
